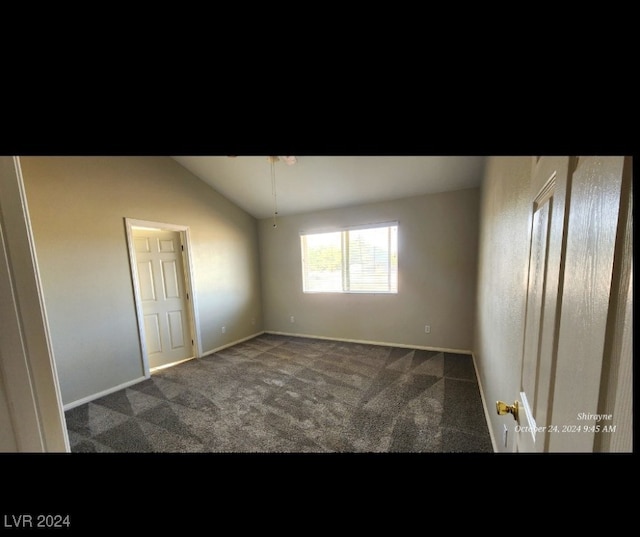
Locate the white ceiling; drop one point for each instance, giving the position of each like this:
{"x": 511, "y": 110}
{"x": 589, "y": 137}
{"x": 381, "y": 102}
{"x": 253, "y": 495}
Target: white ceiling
{"x": 320, "y": 182}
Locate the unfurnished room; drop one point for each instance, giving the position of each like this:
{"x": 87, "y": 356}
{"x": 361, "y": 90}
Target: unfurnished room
{"x": 317, "y": 304}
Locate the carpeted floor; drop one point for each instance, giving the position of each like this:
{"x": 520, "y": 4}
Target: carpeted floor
{"x": 290, "y": 394}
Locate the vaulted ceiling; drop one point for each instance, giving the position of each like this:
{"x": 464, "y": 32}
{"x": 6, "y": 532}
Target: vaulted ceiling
{"x": 323, "y": 182}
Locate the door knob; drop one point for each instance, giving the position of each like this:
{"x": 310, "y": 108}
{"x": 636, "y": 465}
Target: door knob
{"x": 504, "y": 408}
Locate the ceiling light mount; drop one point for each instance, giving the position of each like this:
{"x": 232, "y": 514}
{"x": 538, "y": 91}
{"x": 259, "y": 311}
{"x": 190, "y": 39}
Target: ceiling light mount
{"x": 290, "y": 161}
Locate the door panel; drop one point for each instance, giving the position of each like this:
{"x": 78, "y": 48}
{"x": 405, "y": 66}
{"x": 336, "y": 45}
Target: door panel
{"x": 550, "y": 196}
{"x": 141, "y": 244}
{"x": 146, "y": 281}
{"x": 535, "y": 298}
{"x": 170, "y": 279}
{"x": 152, "y": 333}
{"x": 166, "y": 245}
{"x": 176, "y": 331}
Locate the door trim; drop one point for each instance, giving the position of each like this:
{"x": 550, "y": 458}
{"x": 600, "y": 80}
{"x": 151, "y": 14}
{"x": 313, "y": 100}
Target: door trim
{"x": 28, "y": 374}
{"x": 194, "y": 325}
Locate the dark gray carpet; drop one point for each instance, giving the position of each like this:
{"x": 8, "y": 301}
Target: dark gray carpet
{"x": 289, "y": 394}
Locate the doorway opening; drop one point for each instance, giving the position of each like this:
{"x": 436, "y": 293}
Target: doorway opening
{"x": 162, "y": 276}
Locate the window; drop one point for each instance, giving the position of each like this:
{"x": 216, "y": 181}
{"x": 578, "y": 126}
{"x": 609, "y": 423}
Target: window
{"x": 354, "y": 260}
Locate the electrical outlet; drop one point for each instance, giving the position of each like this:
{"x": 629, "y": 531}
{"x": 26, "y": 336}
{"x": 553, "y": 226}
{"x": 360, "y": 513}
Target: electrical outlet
{"x": 292, "y": 319}
{"x": 224, "y": 329}
{"x": 427, "y": 329}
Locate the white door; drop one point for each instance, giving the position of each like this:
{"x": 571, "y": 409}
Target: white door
{"x": 550, "y": 198}
{"x": 163, "y": 296}
{"x": 575, "y": 205}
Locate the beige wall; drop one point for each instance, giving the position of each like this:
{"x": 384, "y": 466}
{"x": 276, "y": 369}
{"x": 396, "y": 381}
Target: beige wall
{"x": 7, "y": 438}
{"x": 502, "y": 282}
{"x": 77, "y": 207}
{"x": 437, "y": 249}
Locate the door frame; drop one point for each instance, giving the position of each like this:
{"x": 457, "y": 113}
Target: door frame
{"x": 28, "y": 374}
{"x": 194, "y": 325}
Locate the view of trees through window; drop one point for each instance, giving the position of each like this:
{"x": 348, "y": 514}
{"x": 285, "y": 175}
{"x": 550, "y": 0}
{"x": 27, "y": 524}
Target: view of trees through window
{"x": 359, "y": 260}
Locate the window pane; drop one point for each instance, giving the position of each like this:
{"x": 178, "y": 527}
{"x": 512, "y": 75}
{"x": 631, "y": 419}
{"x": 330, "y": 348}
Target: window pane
{"x": 372, "y": 260}
{"x": 358, "y": 260}
{"x": 322, "y": 262}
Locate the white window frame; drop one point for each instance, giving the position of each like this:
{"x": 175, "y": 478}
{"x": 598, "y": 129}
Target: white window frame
{"x": 345, "y": 268}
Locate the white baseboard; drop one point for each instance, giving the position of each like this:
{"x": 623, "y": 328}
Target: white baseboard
{"x": 90, "y": 398}
{"x": 484, "y": 406}
{"x": 217, "y": 349}
{"x": 124, "y": 385}
{"x": 367, "y": 342}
